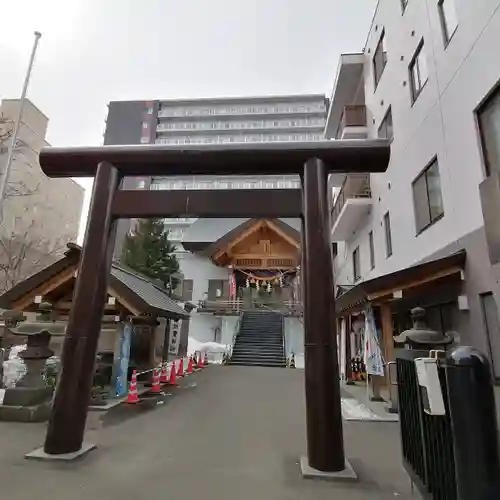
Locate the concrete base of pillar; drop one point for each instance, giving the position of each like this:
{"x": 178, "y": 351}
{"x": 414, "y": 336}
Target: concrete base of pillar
{"x": 39, "y": 454}
{"x": 308, "y": 472}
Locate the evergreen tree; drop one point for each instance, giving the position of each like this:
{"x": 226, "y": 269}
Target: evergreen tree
{"x": 148, "y": 251}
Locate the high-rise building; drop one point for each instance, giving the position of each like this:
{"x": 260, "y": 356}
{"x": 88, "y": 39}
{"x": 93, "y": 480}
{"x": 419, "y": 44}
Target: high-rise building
{"x": 40, "y": 215}
{"x": 427, "y": 232}
{"x": 213, "y": 121}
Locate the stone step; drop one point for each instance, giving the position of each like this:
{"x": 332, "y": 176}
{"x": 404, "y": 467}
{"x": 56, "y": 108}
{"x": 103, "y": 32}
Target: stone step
{"x": 258, "y": 363}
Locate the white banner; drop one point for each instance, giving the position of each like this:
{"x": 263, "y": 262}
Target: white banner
{"x": 341, "y": 348}
{"x": 175, "y": 336}
{"x": 372, "y": 356}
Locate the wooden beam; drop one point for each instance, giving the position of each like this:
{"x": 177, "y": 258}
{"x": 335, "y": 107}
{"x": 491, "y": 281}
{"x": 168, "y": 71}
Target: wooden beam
{"x": 432, "y": 277}
{"x": 285, "y": 236}
{"x": 218, "y": 159}
{"x": 245, "y": 234}
{"x": 129, "y": 306}
{"x": 45, "y": 288}
{"x": 224, "y": 203}
{"x": 387, "y": 337}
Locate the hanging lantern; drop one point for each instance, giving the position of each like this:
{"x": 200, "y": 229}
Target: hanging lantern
{"x": 276, "y": 281}
{"x": 247, "y": 283}
{"x": 269, "y": 287}
{"x": 252, "y": 281}
{"x": 257, "y": 285}
{"x": 281, "y": 281}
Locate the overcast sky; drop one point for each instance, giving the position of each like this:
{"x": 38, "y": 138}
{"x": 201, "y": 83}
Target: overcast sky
{"x": 94, "y": 51}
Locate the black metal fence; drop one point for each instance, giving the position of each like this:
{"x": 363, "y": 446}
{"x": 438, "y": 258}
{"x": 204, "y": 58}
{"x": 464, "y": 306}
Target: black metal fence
{"x": 454, "y": 456}
{"x": 426, "y": 440}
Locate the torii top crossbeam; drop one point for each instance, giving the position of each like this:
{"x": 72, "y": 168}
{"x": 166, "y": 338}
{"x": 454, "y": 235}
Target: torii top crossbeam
{"x": 351, "y": 156}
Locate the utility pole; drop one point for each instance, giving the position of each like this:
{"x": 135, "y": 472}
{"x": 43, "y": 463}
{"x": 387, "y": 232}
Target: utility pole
{"x": 5, "y": 174}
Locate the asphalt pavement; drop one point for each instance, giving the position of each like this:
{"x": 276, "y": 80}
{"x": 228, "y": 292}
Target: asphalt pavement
{"x": 226, "y": 432}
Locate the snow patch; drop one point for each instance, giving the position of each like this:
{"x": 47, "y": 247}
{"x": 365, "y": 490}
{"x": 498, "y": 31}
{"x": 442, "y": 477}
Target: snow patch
{"x": 214, "y": 350}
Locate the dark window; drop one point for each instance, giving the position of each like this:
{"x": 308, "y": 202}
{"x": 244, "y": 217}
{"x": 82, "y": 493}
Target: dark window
{"x": 379, "y": 59}
{"x": 419, "y": 73}
{"x": 356, "y": 267}
{"x": 404, "y": 3}
{"x": 449, "y": 21}
{"x": 372, "y": 250}
{"x": 187, "y": 290}
{"x": 489, "y": 125}
{"x": 385, "y": 131}
{"x": 427, "y": 197}
{"x": 388, "y": 235}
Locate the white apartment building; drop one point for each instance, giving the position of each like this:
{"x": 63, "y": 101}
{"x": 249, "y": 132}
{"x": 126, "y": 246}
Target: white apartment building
{"x": 427, "y": 78}
{"x": 40, "y": 215}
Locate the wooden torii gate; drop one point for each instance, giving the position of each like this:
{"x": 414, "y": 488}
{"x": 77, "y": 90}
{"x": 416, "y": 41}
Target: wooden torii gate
{"x": 312, "y": 161}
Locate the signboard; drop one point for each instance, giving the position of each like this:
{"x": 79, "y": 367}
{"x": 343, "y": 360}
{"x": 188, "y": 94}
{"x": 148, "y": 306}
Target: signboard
{"x": 175, "y": 336}
{"x": 123, "y": 360}
{"x": 232, "y": 286}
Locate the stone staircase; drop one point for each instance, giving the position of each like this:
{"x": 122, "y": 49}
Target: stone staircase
{"x": 259, "y": 341}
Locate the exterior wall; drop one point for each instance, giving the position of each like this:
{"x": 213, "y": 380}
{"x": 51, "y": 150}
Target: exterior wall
{"x": 41, "y": 215}
{"x": 228, "y": 329}
{"x": 441, "y": 122}
{"x": 199, "y": 269}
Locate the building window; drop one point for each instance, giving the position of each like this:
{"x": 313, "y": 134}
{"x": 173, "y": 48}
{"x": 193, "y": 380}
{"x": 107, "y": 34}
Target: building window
{"x": 379, "y": 59}
{"x": 404, "y": 3}
{"x": 144, "y": 140}
{"x": 372, "y": 250}
{"x": 427, "y": 197}
{"x": 385, "y": 131}
{"x": 419, "y": 73}
{"x": 145, "y": 125}
{"x": 356, "y": 265}
{"x": 388, "y": 235}
{"x": 449, "y": 20}
{"x": 489, "y": 126}
{"x": 150, "y": 110}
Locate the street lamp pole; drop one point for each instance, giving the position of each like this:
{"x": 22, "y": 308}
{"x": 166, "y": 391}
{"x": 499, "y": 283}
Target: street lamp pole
{"x": 5, "y": 175}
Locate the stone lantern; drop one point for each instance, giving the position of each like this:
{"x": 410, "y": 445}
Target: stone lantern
{"x": 31, "y": 399}
{"x": 421, "y": 337}
{"x": 416, "y": 343}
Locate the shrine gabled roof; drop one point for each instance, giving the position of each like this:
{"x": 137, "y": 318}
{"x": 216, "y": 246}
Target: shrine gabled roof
{"x": 207, "y": 236}
{"x": 139, "y": 291}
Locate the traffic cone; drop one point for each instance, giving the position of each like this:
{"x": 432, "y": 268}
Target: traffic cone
{"x": 292, "y": 361}
{"x": 156, "y": 382}
{"x": 205, "y": 360}
{"x": 200, "y": 362}
{"x": 190, "y": 366}
{"x": 173, "y": 379}
{"x": 164, "y": 376}
{"x": 133, "y": 396}
{"x": 180, "y": 371}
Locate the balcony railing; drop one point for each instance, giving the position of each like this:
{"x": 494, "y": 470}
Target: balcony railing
{"x": 352, "y": 116}
{"x": 354, "y": 186}
{"x": 237, "y": 306}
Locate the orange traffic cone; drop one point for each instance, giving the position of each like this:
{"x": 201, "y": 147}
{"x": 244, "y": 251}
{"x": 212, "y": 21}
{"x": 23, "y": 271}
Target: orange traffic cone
{"x": 156, "y": 382}
{"x": 200, "y": 361}
{"x": 190, "y": 366}
{"x": 133, "y": 396}
{"x": 164, "y": 376}
{"x": 173, "y": 378}
{"x": 180, "y": 371}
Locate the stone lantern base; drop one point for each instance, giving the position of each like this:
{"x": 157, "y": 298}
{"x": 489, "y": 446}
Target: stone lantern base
{"x": 23, "y": 404}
